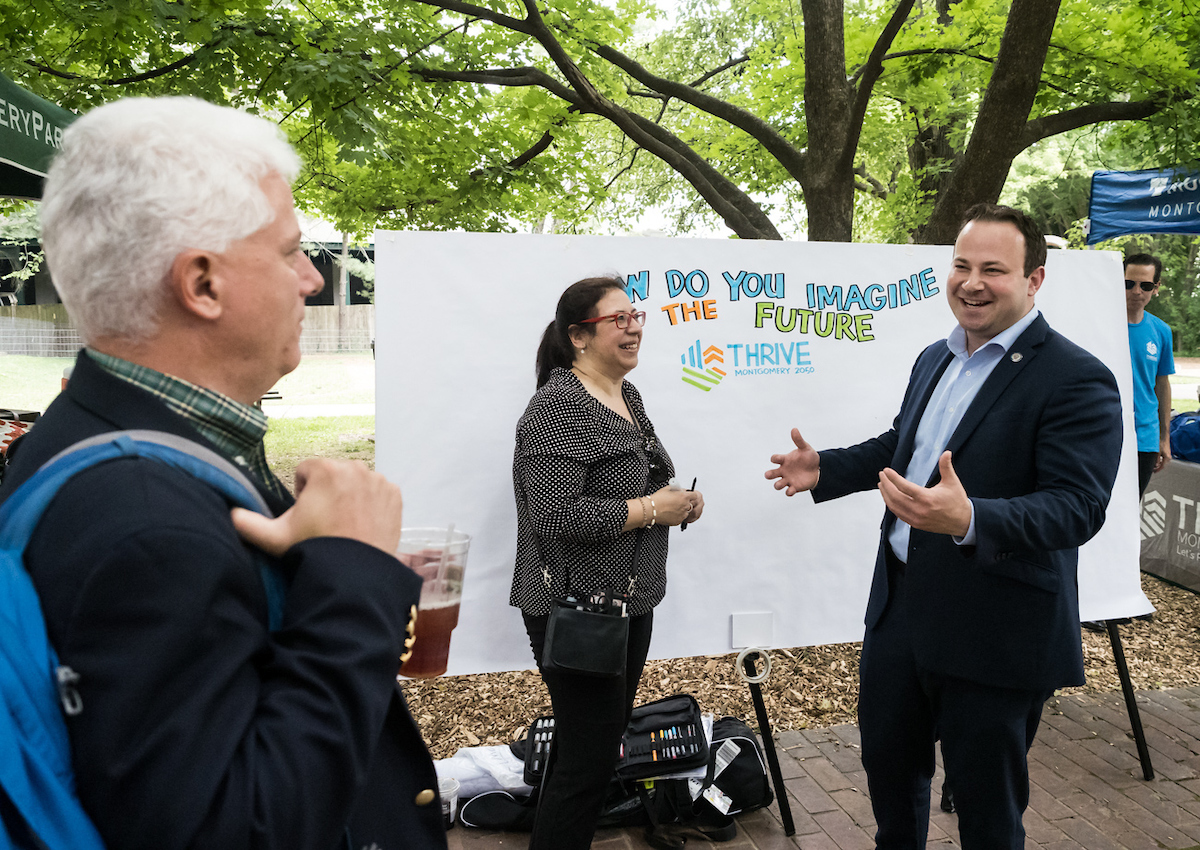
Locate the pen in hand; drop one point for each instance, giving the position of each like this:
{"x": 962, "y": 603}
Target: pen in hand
{"x": 683, "y": 525}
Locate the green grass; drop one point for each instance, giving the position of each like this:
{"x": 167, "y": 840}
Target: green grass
{"x": 31, "y": 383}
{"x": 290, "y": 441}
{"x": 1183, "y": 393}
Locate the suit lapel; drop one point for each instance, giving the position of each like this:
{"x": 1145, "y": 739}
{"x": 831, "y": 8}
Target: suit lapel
{"x": 923, "y": 384}
{"x": 1018, "y": 357}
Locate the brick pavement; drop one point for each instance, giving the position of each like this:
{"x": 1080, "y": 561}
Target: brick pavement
{"x": 1087, "y": 790}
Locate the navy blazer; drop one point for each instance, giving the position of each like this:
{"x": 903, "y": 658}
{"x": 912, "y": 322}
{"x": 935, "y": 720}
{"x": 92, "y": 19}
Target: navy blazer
{"x": 200, "y": 728}
{"x": 1037, "y": 452}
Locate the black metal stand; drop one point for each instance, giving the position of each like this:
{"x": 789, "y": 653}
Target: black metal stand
{"x": 1135, "y": 719}
{"x": 764, "y": 727}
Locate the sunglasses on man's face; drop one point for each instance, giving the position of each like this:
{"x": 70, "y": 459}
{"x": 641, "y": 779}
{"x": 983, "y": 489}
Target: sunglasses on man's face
{"x": 1146, "y": 285}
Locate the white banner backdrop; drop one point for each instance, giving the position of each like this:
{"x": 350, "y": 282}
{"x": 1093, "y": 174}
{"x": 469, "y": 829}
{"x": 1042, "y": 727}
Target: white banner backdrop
{"x": 743, "y": 340}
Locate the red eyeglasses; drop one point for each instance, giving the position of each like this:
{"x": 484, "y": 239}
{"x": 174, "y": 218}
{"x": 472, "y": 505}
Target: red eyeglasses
{"x": 621, "y": 319}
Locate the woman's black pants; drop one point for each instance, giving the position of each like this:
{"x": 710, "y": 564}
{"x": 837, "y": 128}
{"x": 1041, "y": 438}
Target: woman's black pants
{"x": 590, "y": 716}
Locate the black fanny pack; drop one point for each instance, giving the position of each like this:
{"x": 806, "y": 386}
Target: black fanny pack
{"x": 589, "y": 636}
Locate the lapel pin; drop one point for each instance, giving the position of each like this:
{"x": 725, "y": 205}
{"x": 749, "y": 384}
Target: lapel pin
{"x": 1016, "y": 357}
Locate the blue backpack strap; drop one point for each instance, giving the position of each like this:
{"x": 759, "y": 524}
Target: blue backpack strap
{"x": 180, "y": 452}
{"x": 35, "y": 766}
{"x": 35, "y": 762}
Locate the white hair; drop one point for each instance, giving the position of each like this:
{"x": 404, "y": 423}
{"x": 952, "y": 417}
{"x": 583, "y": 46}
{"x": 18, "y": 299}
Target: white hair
{"x": 137, "y": 182}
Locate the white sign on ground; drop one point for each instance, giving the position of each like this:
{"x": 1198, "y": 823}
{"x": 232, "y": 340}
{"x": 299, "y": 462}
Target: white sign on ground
{"x": 743, "y": 341}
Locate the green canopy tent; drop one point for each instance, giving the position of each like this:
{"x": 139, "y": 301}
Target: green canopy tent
{"x": 30, "y": 133}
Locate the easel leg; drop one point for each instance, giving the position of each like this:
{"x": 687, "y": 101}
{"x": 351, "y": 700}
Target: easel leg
{"x": 1135, "y": 719}
{"x": 764, "y": 726}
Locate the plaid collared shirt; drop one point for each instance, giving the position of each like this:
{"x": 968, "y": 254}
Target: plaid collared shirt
{"x": 236, "y": 429}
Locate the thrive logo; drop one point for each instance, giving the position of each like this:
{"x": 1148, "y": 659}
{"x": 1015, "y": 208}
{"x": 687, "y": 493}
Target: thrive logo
{"x": 702, "y": 367}
{"x": 1154, "y": 514}
{"x": 1158, "y": 185}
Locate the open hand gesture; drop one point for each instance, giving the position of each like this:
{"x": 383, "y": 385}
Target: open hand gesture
{"x": 943, "y": 508}
{"x": 797, "y": 470}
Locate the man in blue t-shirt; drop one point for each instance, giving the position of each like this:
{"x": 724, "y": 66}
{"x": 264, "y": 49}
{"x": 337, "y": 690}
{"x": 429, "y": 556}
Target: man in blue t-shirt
{"x": 1150, "y": 353}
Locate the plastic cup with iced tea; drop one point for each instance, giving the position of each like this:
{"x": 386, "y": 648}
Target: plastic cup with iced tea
{"x": 438, "y": 556}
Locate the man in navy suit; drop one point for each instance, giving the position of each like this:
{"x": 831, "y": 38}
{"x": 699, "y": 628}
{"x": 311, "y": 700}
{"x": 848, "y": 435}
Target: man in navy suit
{"x": 997, "y": 468}
{"x": 169, "y": 228}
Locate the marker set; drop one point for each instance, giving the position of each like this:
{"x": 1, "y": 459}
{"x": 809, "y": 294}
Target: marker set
{"x": 663, "y": 737}
{"x": 663, "y": 745}
{"x": 537, "y": 750}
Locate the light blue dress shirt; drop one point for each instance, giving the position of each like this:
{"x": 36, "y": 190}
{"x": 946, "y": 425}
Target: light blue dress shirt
{"x": 959, "y": 385}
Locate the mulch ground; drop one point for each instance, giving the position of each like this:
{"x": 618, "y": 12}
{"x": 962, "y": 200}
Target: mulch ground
{"x": 808, "y": 686}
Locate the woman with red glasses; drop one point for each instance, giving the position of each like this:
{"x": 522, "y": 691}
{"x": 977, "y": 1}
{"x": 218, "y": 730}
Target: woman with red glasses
{"x": 590, "y": 477}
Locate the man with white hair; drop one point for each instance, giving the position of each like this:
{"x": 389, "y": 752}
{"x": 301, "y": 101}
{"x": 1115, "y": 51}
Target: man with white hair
{"x": 169, "y": 228}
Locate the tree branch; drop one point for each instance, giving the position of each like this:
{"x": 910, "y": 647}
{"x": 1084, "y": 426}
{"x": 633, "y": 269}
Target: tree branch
{"x": 924, "y": 51}
{"x": 732, "y": 63}
{"x": 537, "y": 148}
{"x": 742, "y": 215}
{"x": 473, "y": 11}
{"x": 650, "y": 95}
{"x": 784, "y": 152}
{"x": 136, "y": 78}
{"x": 1095, "y": 113}
{"x": 527, "y": 76}
{"x": 575, "y": 78}
{"x": 871, "y": 70}
{"x": 381, "y": 75}
{"x": 870, "y": 184}
{"x": 739, "y": 212}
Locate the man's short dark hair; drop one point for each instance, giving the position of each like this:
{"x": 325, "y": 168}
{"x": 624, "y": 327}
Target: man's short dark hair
{"x": 1145, "y": 260}
{"x": 1035, "y": 241}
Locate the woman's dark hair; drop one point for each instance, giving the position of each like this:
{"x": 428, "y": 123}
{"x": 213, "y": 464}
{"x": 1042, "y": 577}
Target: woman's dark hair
{"x": 577, "y": 303}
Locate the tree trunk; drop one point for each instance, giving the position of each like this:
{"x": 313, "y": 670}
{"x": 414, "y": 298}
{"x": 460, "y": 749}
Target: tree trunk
{"x": 979, "y": 176}
{"x": 931, "y": 157}
{"x": 828, "y": 181}
{"x": 931, "y": 147}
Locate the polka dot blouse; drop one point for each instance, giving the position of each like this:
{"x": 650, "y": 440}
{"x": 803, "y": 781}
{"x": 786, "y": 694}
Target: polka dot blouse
{"x": 576, "y": 463}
